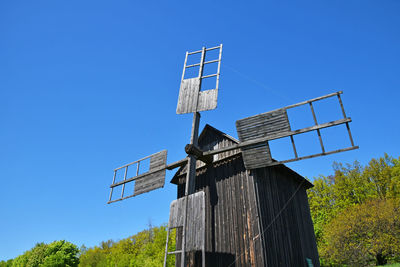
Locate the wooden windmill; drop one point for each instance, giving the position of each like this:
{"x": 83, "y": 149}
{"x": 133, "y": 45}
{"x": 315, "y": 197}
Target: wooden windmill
{"x": 191, "y": 213}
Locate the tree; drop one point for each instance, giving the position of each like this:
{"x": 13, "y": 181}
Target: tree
{"x": 144, "y": 249}
{"x": 321, "y": 200}
{"x": 349, "y": 189}
{"x": 6, "y": 263}
{"x": 58, "y": 253}
{"x": 365, "y": 232}
{"x": 93, "y": 257}
{"x": 384, "y": 175}
{"x": 61, "y": 253}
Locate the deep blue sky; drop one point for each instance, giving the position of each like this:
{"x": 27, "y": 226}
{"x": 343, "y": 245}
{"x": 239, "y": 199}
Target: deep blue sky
{"x": 87, "y": 86}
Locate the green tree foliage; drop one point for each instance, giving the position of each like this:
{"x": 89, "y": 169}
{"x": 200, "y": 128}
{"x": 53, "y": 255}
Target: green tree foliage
{"x": 6, "y": 263}
{"x": 364, "y": 233}
{"x": 384, "y": 175}
{"x": 346, "y": 192}
{"x": 56, "y": 254}
{"x": 145, "y": 249}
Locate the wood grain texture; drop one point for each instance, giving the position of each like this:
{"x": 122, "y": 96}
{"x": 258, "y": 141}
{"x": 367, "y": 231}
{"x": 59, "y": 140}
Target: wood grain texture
{"x": 191, "y": 98}
{"x": 261, "y": 126}
{"x": 256, "y": 156}
{"x": 188, "y": 96}
{"x": 207, "y": 100}
{"x": 218, "y": 140}
{"x": 150, "y": 182}
{"x": 285, "y": 218}
{"x": 240, "y": 206}
{"x": 156, "y": 179}
{"x": 195, "y": 225}
{"x": 153, "y": 179}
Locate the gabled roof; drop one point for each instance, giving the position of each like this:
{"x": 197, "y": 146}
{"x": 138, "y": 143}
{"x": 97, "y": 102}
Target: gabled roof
{"x": 211, "y": 133}
{"x": 208, "y": 128}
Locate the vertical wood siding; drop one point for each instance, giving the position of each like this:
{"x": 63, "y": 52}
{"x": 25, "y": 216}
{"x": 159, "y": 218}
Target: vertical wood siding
{"x": 231, "y": 215}
{"x": 249, "y": 218}
{"x": 288, "y": 234}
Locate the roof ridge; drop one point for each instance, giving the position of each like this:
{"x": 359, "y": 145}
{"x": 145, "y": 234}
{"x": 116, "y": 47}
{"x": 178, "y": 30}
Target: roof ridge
{"x": 208, "y": 126}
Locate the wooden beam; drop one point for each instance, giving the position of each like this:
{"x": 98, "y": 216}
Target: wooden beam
{"x": 176, "y": 164}
{"x": 313, "y": 100}
{"x": 191, "y": 149}
{"x": 314, "y": 155}
{"x": 277, "y": 136}
{"x": 137, "y": 177}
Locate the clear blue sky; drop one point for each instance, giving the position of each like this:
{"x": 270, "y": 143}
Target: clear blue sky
{"x": 86, "y": 86}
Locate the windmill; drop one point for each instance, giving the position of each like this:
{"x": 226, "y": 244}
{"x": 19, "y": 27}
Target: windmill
{"x": 188, "y": 212}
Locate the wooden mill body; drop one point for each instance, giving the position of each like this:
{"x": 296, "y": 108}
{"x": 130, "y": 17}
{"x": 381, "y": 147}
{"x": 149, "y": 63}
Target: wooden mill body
{"x": 257, "y": 217}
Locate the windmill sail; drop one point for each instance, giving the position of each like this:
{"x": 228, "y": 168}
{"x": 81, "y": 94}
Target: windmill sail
{"x": 255, "y": 132}
{"x": 259, "y": 126}
{"x": 191, "y": 97}
{"x": 146, "y": 181}
{"x": 195, "y": 225}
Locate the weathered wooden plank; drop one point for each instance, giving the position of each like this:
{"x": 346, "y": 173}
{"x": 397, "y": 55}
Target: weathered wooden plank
{"x": 260, "y": 126}
{"x": 131, "y": 179}
{"x": 209, "y": 76}
{"x": 314, "y": 155}
{"x": 232, "y": 214}
{"x": 191, "y": 99}
{"x": 149, "y": 180}
{"x": 256, "y": 156}
{"x": 313, "y": 100}
{"x": 196, "y": 221}
{"x": 158, "y": 160}
{"x": 285, "y": 227}
{"x": 157, "y": 163}
{"x": 148, "y": 188}
{"x": 152, "y": 179}
{"x": 176, "y": 164}
{"x": 262, "y": 159}
{"x": 156, "y": 178}
{"x": 195, "y": 224}
{"x": 276, "y": 136}
{"x": 142, "y": 159}
{"x": 188, "y": 96}
{"x": 207, "y": 100}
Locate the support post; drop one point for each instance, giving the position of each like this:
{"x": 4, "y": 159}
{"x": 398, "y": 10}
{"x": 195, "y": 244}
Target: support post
{"x": 190, "y": 180}
{"x": 318, "y": 131}
{"x": 191, "y": 164}
{"x": 344, "y": 116}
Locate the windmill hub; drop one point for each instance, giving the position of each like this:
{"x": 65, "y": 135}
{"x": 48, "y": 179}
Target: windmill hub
{"x": 193, "y": 150}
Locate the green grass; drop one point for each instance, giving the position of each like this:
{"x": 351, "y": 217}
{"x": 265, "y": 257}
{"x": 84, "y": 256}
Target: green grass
{"x": 391, "y": 265}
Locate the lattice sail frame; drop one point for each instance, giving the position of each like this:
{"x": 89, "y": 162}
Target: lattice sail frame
{"x": 254, "y": 133}
{"x": 153, "y": 179}
{"x": 191, "y": 99}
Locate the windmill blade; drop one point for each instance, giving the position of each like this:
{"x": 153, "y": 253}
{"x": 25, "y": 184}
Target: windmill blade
{"x": 191, "y": 97}
{"x": 191, "y": 207}
{"x": 145, "y": 181}
{"x": 255, "y": 132}
{"x": 259, "y": 126}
